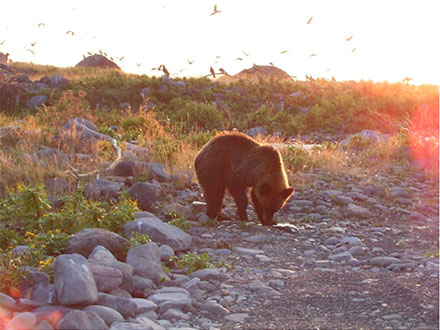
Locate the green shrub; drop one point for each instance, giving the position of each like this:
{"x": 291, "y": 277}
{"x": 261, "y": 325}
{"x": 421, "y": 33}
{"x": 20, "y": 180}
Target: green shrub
{"x": 193, "y": 115}
{"x": 192, "y": 261}
{"x": 137, "y": 239}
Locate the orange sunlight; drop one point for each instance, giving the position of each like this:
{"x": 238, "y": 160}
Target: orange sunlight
{"x": 424, "y": 137}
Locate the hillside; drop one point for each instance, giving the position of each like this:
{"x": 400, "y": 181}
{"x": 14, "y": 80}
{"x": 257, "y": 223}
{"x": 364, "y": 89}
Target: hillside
{"x": 102, "y": 221}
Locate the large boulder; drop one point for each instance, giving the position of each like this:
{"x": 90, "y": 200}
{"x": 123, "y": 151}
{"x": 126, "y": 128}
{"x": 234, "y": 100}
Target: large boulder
{"x": 77, "y": 319}
{"x": 146, "y": 263}
{"x": 101, "y": 256}
{"x": 82, "y": 135}
{"x": 74, "y": 282}
{"x": 87, "y": 239}
{"x": 145, "y": 193}
{"x": 57, "y": 81}
{"x": 102, "y": 189}
{"x": 98, "y": 61}
{"x": 37, "y": 101}
{"x": 160, "y": 232}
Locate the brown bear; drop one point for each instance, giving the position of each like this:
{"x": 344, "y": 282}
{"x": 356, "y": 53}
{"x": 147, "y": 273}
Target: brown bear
{"x": 235, "y": 162}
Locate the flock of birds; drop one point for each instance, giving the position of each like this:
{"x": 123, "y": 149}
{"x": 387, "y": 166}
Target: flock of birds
{"x": 162, "y": 67}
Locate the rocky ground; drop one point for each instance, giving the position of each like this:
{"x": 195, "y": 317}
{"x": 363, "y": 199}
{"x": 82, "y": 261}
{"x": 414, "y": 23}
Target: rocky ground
{"x": 354, "y": 255}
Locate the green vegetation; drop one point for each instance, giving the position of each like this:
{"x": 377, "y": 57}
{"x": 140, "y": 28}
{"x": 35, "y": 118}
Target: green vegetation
{"x": 192, "y": 261}
{"x": 137, "y": 240}
{"x": 178, "y": 221}
{"x": 26, "y": 218}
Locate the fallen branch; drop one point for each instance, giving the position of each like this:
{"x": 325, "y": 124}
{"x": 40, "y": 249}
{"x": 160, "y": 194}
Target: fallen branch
{"x": 75, "y": 173}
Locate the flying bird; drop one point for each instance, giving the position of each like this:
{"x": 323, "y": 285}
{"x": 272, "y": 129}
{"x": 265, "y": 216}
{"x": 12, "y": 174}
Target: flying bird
{"x": 215, "y": 11}
{"x": 407, "y": 79}
{"x": 349, "y": 38}
{"x": 33, "y": 44}
{"x": 239, "y": 59}
{"x": 138, "y": 64}
{"x": 311, "y": 55}
{"x": 120, "y": 58}
{"x": 1, "y": 43}
{"x": 245, "y": 54}
{"x": 353, "y": 50}
{"x": 71, "y": 32}
{"x": 190, "y": 62}
{"x": 29, "y": 50}
{"x": 310, "y": 20}
{"x": 41, "y": 24}
{"x": 284, "y": 52}
{"x": 212, "y": 71}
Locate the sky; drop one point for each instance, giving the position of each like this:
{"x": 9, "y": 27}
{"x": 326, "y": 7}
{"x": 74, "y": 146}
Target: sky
{"x": 390, "y": 40}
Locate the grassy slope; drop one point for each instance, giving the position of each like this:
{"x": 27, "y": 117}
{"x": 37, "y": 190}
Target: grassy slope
{"x": 180, "y": 120}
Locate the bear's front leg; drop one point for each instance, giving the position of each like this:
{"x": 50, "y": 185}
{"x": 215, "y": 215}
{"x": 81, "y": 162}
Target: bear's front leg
{"x": 257, "y": 206}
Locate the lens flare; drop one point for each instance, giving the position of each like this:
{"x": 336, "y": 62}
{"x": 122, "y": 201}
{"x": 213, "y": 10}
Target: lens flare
{"x": 424, "y": 137}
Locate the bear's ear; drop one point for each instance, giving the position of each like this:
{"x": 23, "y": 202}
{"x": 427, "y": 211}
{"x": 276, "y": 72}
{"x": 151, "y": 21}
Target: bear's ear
{"x": 286, "y": 193}
{"x": 265, "y": 189}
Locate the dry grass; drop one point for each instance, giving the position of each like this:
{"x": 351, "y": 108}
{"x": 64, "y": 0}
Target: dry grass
{"x": 38, "y": 131}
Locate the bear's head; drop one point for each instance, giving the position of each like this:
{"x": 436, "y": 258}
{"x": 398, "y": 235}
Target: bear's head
{"x": 272, "y": 198}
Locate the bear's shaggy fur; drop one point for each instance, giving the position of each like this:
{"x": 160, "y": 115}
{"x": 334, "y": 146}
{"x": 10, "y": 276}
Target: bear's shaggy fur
{"x": 233, "y": 161}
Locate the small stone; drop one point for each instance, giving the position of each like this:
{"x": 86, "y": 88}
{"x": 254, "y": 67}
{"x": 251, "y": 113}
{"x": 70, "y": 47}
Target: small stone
{"x": 207, "y": 274}
{"x": 252, "y": 252}
{"x": 144, "y": 305}
{"x": 383, "y": 261}
{"x": 399, "y": 192}
{"x": 214, "y": 308}
{"x": 343, "y": 256}
{"x": 174, "y": 315}
{"x": 352, "y": 241}
{"x": 177, "y": 300}
{"x": 358, "y": 250}
{"x": 359, "y": 211}
{"x": 344, "y": 200}
{"x": 331, "y": 241}
{"x": 392, "y": 317}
